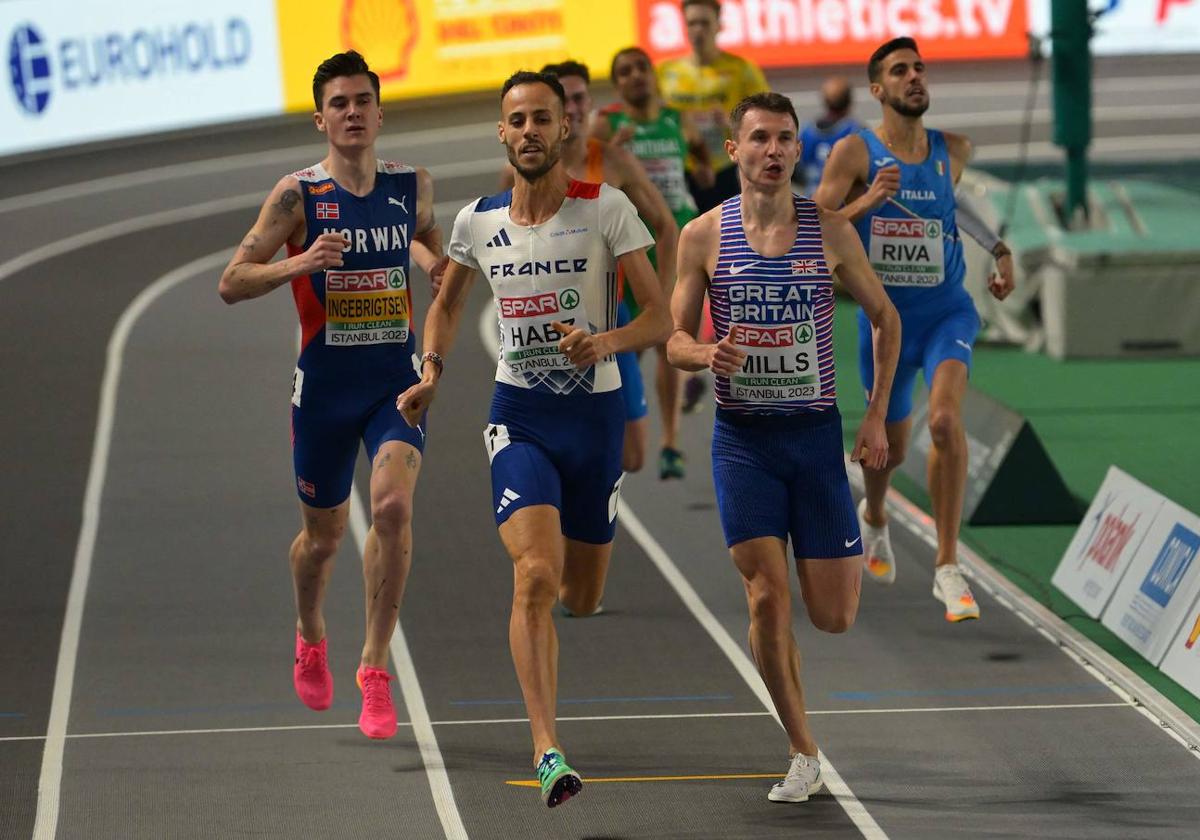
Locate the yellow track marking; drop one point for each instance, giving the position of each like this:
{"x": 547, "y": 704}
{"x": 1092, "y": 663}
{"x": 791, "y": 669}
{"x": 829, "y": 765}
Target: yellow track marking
{"x": 527, "y": 783}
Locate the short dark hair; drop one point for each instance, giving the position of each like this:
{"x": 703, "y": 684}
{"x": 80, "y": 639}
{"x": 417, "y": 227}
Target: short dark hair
{"x": 776, "y": 103}
{"x": 875, "y": 65}
{"x": 569, "y": 67}
{"x": 343, "y": 64}
{"x": 715, "y": 5}
{"x": 530, "y": 77}
{"x": 612, "y": 68}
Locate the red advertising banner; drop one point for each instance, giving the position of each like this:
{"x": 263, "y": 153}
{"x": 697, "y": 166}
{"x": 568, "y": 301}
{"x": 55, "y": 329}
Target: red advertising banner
{"x": 789, "y": 33}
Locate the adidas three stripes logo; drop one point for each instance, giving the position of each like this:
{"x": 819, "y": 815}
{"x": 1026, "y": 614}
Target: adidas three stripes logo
{"x": 509, "y": 498}
{"x": 499, "y": 239}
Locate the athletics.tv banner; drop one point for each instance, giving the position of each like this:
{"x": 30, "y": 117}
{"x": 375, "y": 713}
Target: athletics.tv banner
{"x": 790, "y": 33}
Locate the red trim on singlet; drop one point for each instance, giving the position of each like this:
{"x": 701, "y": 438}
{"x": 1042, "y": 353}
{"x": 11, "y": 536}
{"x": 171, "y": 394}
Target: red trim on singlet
{"x": 308, "y": 307}
{"x": 582, "y": 189}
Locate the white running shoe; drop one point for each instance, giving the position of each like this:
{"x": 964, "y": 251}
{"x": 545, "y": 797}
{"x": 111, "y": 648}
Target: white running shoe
{"x": 878, "y": 561}
{"x": 803, "y": 779}
{"x": 951, "y": 589}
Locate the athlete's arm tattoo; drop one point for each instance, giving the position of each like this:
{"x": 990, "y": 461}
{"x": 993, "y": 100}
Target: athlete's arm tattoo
{"x": 249, "y": 244}
{"x": 411, "y": 460}
{"x": 287, "y": 202}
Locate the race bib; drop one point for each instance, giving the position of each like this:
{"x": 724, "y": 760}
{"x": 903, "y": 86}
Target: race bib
{"x": 781, "y": 363}
{"x": 667, "y": 175}
{"x": 366, "y": 307}
{"x": 907, "y": 252}
{"x": 528, "y": 342}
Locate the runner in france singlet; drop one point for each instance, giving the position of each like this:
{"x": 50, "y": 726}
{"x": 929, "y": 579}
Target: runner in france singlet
{"x": 912, "y": 240}
{"x": 357, "y": 319}
{"x": 780, "y": 313}
{"x": 564, "y": 269}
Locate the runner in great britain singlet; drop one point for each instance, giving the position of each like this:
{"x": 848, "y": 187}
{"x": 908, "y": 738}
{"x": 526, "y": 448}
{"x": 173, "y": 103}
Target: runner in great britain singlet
{"x": 777, "y": 438}
{"x": 356, "y": 344}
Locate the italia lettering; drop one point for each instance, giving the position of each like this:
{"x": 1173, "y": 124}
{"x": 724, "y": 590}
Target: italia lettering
{"x": 899, "y": 252}
{"x": 917, "y": 195}
{"x": 536, "y": 268}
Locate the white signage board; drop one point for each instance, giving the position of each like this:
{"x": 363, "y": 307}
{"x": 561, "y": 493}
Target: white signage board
{"x": 1160, "y": 585}
{"x": 1130, "y": 27}
{"x": 1116, "y": 523}
{"x": 83, "y": 71}
{"x": 1182, "y": 662}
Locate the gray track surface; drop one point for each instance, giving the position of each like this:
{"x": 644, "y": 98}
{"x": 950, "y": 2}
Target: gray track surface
{"x": 188, "y": 612}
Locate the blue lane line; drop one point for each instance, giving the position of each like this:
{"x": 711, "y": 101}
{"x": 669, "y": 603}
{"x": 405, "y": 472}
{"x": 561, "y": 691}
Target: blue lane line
{"x": 579, "y": 700}
{"x": 12, "y": 714}
{"x": 243, "y": 708}
{"x": 981, "y": 691}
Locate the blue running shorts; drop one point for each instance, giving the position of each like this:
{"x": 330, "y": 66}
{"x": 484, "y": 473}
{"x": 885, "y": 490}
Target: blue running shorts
{"x": 927, "y": 339}
{"x": 633, "y": 389}
{"x": 784, "y": 477}
{"x": 562, "y": 450}
{"x": 328, "y": 421}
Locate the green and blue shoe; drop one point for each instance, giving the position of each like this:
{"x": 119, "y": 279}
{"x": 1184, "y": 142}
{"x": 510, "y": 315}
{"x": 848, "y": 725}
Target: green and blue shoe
{"x": 559, "y": 782}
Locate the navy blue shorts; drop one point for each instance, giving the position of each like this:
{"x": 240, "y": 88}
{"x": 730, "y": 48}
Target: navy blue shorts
{"x": 785, "y": 477}
{"x": 633, "y": 389}
{"x": 330, "y": 418}
{"x": 927, "y": 339}
{"x": 562, "y": 450}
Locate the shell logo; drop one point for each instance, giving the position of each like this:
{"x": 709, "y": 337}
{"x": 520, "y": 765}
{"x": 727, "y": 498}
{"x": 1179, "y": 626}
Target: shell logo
{"x": 384, "y": 31}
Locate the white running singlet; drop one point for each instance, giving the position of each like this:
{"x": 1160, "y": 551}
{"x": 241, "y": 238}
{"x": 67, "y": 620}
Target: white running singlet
{"x": 564, "y": 269}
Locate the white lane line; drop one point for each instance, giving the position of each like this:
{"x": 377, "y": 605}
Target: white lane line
{"x": 439, "y": 136}
{"x": 741, "y": 662}
{"x": 414, "y": 701}
{"x": 50, "y": 780}
{"x": 275, "y": 159}
{"x": 1104, "y": 668}
{"x": 583, "y": 718}
{"x": 973, "y": 90}
{"x": 489, "y": 337}
{"x": 149, "y": 221}
{"x": 1147, "y": 146}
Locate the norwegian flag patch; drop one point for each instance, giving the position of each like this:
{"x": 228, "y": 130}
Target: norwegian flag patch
{"x": 806, "y": 267}
{"x": 327, "y": 210}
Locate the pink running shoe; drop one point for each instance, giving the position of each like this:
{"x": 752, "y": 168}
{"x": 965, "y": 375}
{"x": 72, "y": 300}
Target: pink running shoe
{"x": 378, "y": 718}
{"x": 310, "y": 675}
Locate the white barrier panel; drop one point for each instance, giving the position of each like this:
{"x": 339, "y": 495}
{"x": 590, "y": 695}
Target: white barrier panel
{"x": 1116, "y": 523}
{"x": 1182, "y": 662}
{"x": 1131, "y": 27}
{"x": 81, "y": 71}
{"x": 1160, "y": 586}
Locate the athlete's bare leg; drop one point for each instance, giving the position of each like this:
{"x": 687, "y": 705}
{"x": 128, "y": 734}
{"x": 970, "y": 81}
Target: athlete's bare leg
{"x": 387, "y": 555}
{"x": 584, "y": 573}
{"x": 875, "y": 482}
{"x": 667, "y": 384}
{"x": 830, "y": 589}
{"x": 633, "y": 449}
{"x": 947, "y": 469}
{"x": 311, "y": 558}
{"x": 533, "y": 538}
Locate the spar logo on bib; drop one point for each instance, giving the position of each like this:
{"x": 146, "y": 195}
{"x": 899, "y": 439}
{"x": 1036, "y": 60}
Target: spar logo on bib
{"x": 535, "y": 305}
{"x": 905, "y": 228}
{"x": 569, "y": 299}
{"x": 749, "y": 336}
{"x": 381, "y": 280}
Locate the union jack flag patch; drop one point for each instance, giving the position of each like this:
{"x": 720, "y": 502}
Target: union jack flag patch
{"x": 806, "y": 267}
{"x": 327, "y": 210}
